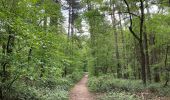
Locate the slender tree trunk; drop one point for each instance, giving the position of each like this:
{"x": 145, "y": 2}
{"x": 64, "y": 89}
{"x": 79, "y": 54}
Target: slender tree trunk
{"x": 146, "y": 45}
{"x": 29, "y": 55}
{"x": 166, "y": 67}
{"x": 29, "y": 58}
{"x": 126, "y": 74}
{"x": 143, "y": 72}
{"x": 136, "y": 56}
{"x": 6, "y": 51}
{"x": 3, "y": 64}
{"x": 72, "y": 19}
{"x": 119, "y": 73}
{"x": 143, "y": 62}
{"x": 88, "y": 2}
{"x": 147, "y": 57}
{"x": 42, "y": 69}
{"x": 140, "y": 38}
{"x": 9, "y": 49}
{"x": 69, "y": 21}
{"x": 1, "y": 93}
{"x": 153, "y": 57}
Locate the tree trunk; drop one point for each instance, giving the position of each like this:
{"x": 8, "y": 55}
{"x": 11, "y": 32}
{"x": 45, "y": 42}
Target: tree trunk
{"x": 166, "y": 67}
{"x": 69, "y": 21}
{"x": 140, "y": 38}
{"x": 29, "y": 55}
{"x": 153, "y": 57}
{"x": 126, "y": 74}
{"x": 1, "y": 93}
{"x": 143, "y": 61}
{"x": 147, "y": 57}
{"x": 119, "y": 73}
{"x": 146, "y": 44}
{"x": 143, "y": 71}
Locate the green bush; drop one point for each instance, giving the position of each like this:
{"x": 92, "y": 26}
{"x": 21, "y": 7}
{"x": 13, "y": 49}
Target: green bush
{"x": 104, "y": 83}
{"x": 75, "y": 76}
{"x": 56, "y": 94}
{"x": 47, "y": 89}
{"x": 109, "y": 83}
{"x": 164, "y": 91}
{"x": 33, "y": 93}
{"x": 22, "y": 92}
{"x": 64, "y": 83}
{"x": 119, "y": 96}
{"x": 159, "y": 89}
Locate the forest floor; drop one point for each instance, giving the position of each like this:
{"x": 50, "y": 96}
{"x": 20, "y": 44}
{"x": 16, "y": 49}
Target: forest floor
{"x": 80, "y": 91}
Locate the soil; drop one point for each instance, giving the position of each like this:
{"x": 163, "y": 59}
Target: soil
{"x": 80, "y": 91}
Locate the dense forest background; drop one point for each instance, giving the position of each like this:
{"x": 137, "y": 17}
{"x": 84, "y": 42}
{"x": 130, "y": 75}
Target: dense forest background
{"x": 46, "y": 45}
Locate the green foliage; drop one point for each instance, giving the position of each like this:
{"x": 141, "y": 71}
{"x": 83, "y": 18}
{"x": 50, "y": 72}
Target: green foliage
{"x": 109, "y": 83}
{"x": 158, "y": 89}
{"x": 37, "y": 52}
{"x": 38, "y": 61}
{"x": 49, "y": 89}
{"x": 76, "y": 75}
{"x": 119, "y": 96}
{"x": 160, "y": 28}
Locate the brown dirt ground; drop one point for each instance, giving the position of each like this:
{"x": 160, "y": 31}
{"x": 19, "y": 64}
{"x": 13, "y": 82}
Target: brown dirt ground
{"x": 80, "y": 91}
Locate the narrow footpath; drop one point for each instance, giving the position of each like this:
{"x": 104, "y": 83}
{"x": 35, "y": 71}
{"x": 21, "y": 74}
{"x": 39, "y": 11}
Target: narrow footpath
{"x": 80, "y": 91}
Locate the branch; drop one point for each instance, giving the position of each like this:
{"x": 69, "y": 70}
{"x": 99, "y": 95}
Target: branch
{"x": 130, "y": 13}
{"x": 131, "y": 22}
{"x": 10, "y": 84}
{"x": 133, "y": 33}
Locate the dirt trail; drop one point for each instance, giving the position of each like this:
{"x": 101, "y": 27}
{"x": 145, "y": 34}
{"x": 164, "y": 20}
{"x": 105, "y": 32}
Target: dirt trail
{"x": 80, "y": 91}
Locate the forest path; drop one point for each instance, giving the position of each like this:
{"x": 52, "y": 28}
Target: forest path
{"x": 80, "y": 91}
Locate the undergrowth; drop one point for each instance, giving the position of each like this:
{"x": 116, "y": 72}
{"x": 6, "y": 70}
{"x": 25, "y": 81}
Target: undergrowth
{"x": 108, "y": 83}
{"x": 120, "y": 88}
{"x": 41, "y": 89}
{"x": 118, "y": 96}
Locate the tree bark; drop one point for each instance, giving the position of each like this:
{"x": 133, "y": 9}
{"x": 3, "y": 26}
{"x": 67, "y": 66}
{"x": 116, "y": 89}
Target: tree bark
{"x": 142, "y": 19}
{"x": 153, "y": 57}
{"x": 147, "y": 57}
{"x": 140, "y": 38}
{"x": 166, "y": 67}
{"x": 119, "y": 73}
{"x": 126, "y": 74}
